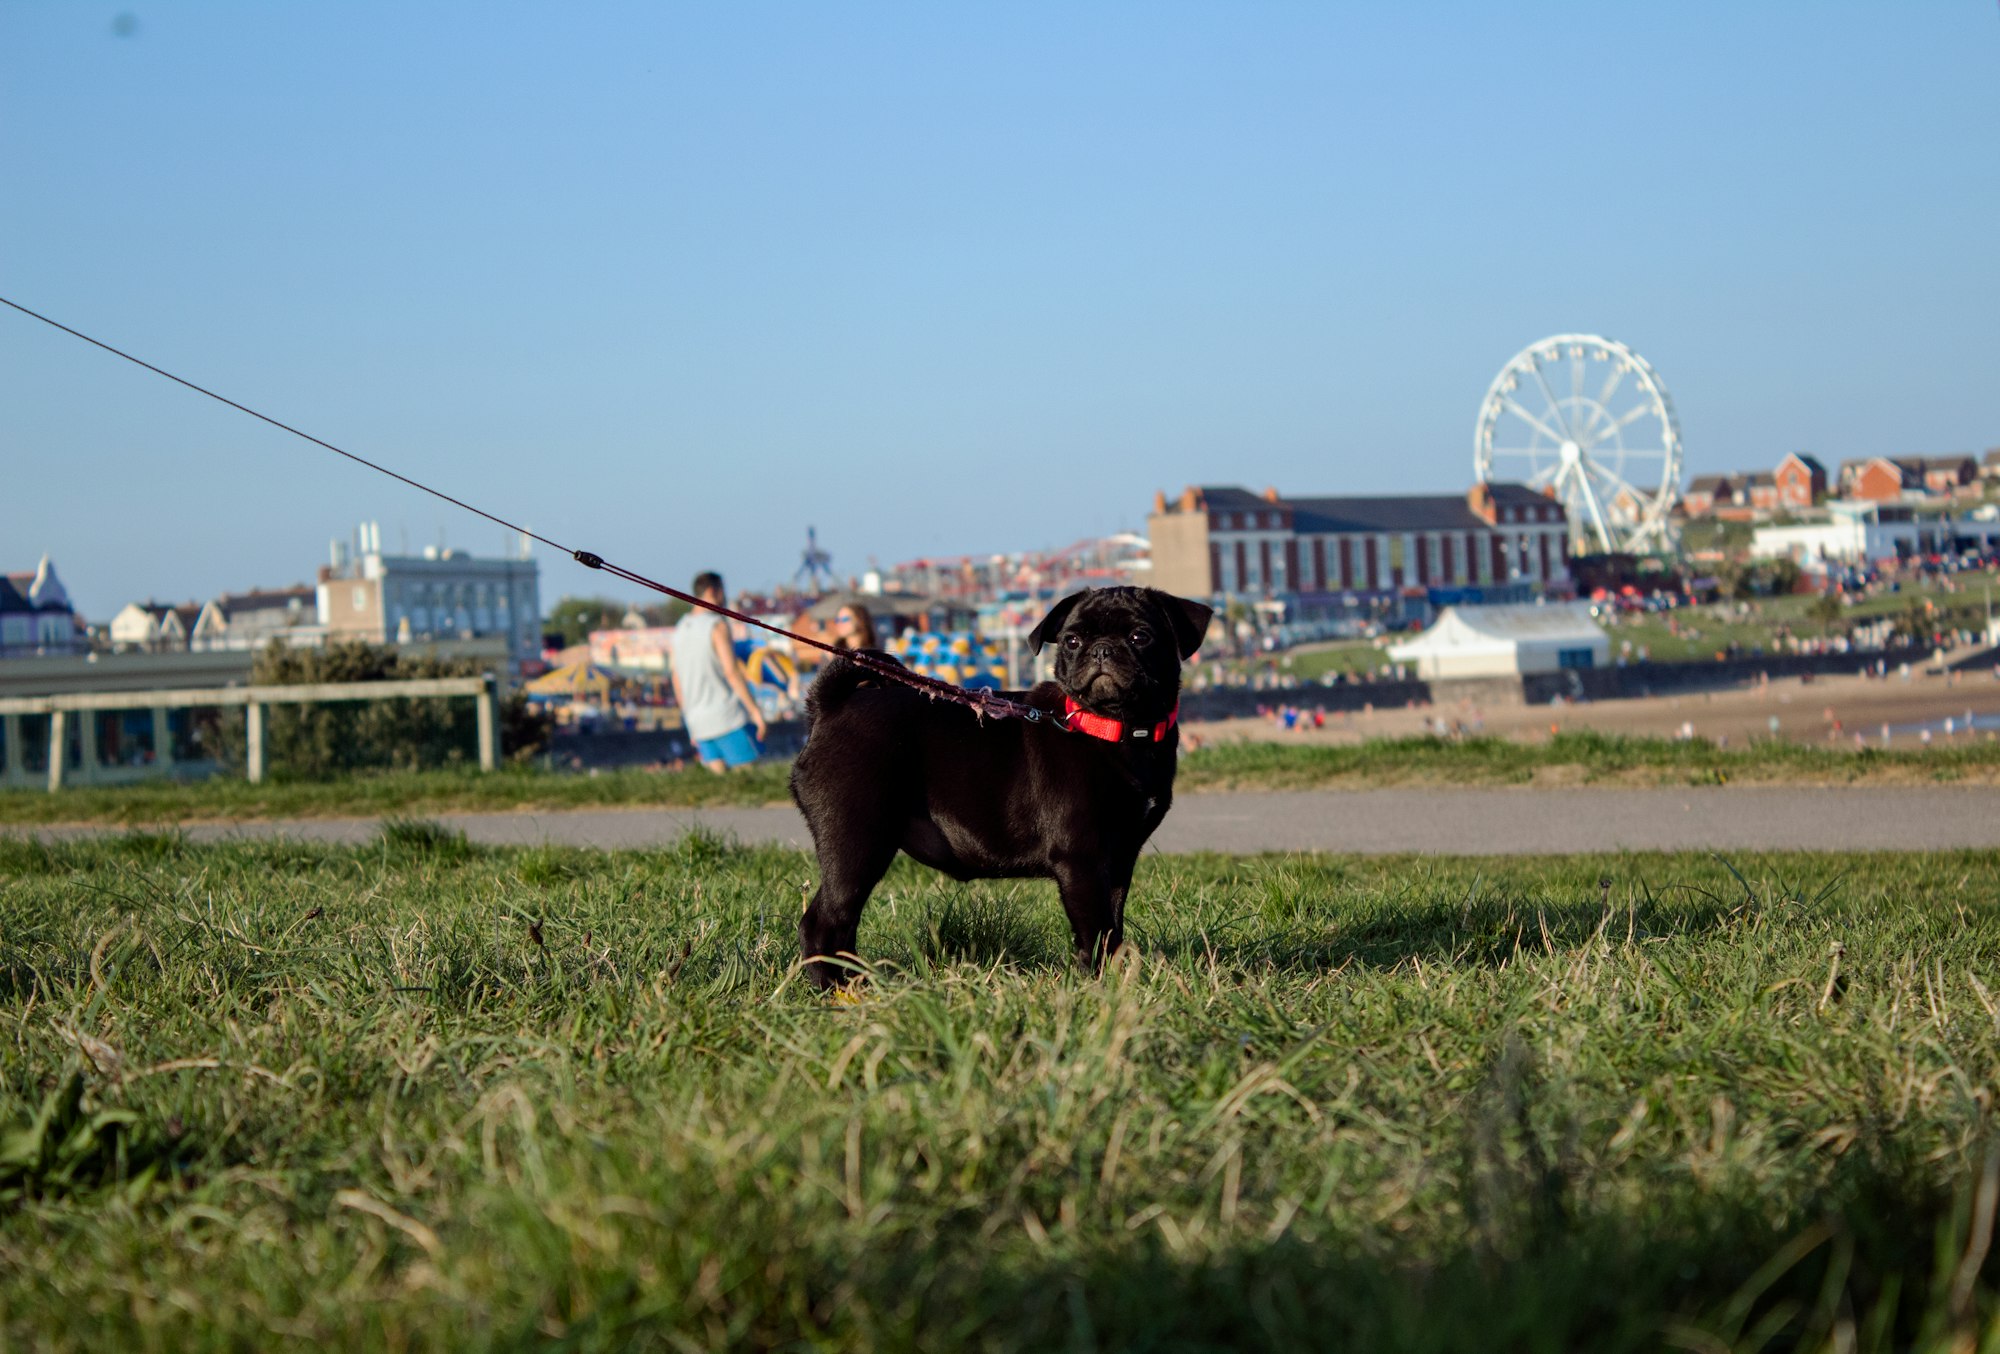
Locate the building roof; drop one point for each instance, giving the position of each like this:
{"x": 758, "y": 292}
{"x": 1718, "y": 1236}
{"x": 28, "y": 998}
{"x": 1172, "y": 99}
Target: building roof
{"x": 1514, "y": 495}
{"x": 281, "y": 599}
{"x": 1806, "y": 459}
{"x": 1371, "y": 513}
{"x": 1232, "y": 497}
{"x": 1424, "y": 512}
{"x": 159, "y": 611}
{"x": 1910, "y": 467}
{"x": 1708, "y": 484}
{"x": 1471, "y": 629}
{"x": 40, "y": 589}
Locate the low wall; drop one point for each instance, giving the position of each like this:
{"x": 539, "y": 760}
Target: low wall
{"x": 1239, "y": 702}
{"x": 618, "y": 748}
{"x": 1612, "y": 683}
{"x": 1643, "y": 679}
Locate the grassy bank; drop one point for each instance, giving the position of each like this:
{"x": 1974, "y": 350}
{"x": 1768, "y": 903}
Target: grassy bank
{"x": 422, "y": 1095}
{"x": 1580, "y": 758}
{"x": 1571, "y": 758}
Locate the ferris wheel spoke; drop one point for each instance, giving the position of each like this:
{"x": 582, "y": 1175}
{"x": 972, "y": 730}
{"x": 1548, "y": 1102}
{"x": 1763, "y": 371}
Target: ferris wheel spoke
{"x": 1555, "y": 409}
{"x": 1611, "y": 484}
{"x": 1611, "y": 382}
{"x": 1631, "y": 416}
{"x": 1544, "y": 429}
{"x": 1587, "y": 492}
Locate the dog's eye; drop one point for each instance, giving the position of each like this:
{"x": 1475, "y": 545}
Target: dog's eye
{"x": 1072, "y": 642}
{"x": 1141, "y": 637}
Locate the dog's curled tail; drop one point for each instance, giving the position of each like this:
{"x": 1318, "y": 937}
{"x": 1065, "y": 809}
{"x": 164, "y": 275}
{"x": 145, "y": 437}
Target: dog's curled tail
{"x": 838, "y": 680}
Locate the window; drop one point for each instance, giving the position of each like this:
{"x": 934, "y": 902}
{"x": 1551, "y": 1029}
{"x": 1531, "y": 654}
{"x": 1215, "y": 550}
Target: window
{"x": 361, "y": 599}
{"x": 1575, "y": 658}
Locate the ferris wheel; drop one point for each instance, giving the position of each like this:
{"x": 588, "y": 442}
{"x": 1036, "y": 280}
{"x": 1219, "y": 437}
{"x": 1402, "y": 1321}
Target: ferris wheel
{"x": 1588, "y": 420}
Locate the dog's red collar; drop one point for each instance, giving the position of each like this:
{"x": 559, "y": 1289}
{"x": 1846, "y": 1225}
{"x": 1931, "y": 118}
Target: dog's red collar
{"x": 1079, "y": 720}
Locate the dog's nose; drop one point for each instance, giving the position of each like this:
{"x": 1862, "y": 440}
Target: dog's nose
{"x": 1101, "y": 650}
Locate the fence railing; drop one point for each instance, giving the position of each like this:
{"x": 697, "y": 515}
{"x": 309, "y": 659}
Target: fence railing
{"x": 255, "y": 699}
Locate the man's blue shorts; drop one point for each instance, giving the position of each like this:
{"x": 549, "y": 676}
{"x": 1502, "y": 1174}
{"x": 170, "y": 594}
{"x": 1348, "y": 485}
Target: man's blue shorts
{"x": 738, "y": 747}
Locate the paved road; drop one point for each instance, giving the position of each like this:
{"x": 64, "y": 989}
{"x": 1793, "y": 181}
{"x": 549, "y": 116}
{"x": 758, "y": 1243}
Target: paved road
{"x": 1459, "y": 822}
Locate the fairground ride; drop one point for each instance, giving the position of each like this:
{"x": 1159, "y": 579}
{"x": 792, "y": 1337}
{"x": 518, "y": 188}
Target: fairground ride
{"x": 1587, "y": 420}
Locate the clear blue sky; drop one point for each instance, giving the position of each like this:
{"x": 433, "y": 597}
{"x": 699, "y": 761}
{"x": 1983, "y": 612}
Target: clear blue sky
{"x": 674, "y": 281}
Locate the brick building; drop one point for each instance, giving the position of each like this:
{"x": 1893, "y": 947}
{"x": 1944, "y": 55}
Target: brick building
{"x": 1885, "y": 479}
{"x": 1800, "y": 480}
{"x": 1221, "y": 540}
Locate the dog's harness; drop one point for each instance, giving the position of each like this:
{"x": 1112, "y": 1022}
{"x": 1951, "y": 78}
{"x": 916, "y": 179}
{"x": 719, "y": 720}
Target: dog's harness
{"x": 1076, "y": 719}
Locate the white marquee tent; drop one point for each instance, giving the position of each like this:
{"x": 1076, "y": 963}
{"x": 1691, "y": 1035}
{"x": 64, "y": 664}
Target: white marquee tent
{"x": 1506, "y": 641}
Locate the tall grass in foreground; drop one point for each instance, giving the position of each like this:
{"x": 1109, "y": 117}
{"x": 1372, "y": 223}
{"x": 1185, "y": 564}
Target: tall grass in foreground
{"x": 427, "y": 1095}
{"x": 1588, "y": 758}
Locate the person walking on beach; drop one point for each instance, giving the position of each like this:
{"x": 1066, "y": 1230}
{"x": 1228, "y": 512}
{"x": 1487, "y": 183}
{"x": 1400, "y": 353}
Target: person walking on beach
{"x": 715, "y": 699}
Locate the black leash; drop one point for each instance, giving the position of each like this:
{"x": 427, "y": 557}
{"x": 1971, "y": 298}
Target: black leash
{"x": 981, "y": 703}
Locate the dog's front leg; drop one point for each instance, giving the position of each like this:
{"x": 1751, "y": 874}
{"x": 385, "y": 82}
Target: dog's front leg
{"x": 1121, "y": 885}
{"x": 1086, "y": 886}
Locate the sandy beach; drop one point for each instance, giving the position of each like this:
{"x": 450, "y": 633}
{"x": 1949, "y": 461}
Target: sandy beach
{"x": 1822, "y": 710}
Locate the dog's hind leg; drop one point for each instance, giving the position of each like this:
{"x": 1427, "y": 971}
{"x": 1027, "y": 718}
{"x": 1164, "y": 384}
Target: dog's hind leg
{"x": 832, "y": 919}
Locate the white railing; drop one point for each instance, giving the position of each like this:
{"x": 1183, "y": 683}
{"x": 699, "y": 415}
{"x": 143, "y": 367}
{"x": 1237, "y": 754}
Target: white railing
{"x": 254, "y": 698}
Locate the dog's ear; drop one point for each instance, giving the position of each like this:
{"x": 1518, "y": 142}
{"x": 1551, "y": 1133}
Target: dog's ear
{"x": 1188, "y": 618}
{"x": 1053, "y": 622}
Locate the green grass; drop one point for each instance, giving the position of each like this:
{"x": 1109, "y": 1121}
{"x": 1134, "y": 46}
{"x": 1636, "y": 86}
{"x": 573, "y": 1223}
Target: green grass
{"x": 367, "y": 794}
{"x": 427, "y": 1095}
{"x": 1587, "y": 757}
{"x": 1579, "y": 757}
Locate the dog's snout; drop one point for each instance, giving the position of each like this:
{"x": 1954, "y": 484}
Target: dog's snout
{"x": 1101, "y": 650}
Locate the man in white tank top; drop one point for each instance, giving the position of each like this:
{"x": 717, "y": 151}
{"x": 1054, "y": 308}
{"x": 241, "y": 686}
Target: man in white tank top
{"x": 709, "y": 686}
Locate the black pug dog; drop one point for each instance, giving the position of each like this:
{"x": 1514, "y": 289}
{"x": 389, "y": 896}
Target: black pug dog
{"x": 1070, "y": 798}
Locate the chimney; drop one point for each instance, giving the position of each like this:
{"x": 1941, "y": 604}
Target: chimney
{"x": 1159, "y": 503}
{"x": 1479, "y": 498}
{"x": 1190, "y": 499}
{"x": 1270, "y": 495}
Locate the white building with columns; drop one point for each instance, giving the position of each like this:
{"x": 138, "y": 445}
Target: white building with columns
{"x": 438, "y": 594}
